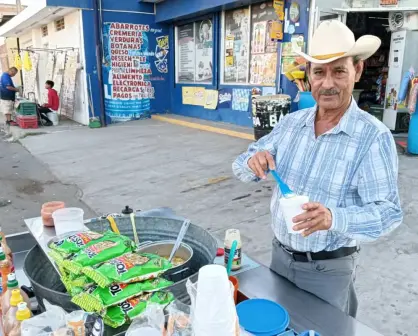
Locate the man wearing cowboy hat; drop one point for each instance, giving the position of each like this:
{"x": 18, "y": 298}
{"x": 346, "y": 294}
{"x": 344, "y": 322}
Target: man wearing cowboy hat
{"x": 343, "y": 158}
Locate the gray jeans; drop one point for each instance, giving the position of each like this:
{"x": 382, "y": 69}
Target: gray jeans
{"x": 331, "y": 280}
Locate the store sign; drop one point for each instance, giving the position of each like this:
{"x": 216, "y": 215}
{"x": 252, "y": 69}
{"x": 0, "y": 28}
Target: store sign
{"x": 389, "y": 2}
{"x": 132, "y": 53}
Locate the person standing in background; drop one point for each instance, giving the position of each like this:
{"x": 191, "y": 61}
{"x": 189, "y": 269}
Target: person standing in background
{"x": 8, "y": 95}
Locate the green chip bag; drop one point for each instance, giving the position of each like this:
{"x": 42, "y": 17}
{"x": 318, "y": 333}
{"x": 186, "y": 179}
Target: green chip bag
{"x": 76, "y": 284}
{"x": 98, "y": 253}
{"x": 127, "y": 310}
{"x": 78, "y": 241}
{"x": 130, "y": 267}
{"x": 96, "y": 299}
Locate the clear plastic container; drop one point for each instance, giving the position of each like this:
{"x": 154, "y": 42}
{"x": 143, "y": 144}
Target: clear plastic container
{"x": 12, "y": 284}
{"x": 47, "y": 211}
{"x": 68, "y": 220}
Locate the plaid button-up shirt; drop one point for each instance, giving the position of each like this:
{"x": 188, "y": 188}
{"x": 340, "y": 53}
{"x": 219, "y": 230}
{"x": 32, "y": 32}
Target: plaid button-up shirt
{"x": 351, "y": 169}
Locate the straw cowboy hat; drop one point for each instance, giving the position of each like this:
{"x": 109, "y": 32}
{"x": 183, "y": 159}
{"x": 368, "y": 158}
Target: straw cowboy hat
{"x": 333, "y": 40}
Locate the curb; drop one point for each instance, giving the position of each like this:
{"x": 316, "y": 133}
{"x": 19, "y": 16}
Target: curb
{"x": 206, "y": 128}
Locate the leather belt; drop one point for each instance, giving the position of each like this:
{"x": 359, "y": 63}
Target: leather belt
{"x": 322, "y": 255}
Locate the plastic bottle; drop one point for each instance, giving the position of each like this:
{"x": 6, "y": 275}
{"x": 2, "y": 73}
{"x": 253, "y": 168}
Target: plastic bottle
{"x": 230, "y": 236}
{"x": 5, "y": 269}
{"x": 7, "y": 251}
{"x": 23, "y": 313}
{"x": 9, "y": 318}
{"x": 12, "y": 284}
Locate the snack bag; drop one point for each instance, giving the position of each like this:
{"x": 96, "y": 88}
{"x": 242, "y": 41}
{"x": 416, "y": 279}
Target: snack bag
{"x": 65, "y": 247}
{"x": 130, "y": 267}
{"x": 127, "y": 310}
{"x": 98, "y": 253}
{"x": 97, "y": 299}
{"x": 76, "y": 284}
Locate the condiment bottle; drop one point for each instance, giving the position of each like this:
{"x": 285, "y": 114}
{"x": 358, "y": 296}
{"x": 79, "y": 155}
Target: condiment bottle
{"x": 5, "y": 269}
{"x": 126, "y": 212}
{"x": 23, "y": 313}
{"x": 230, "y": 236}
{"x": 12, "y": 284}
{"x": 9, "y": 317}
{"x": 6, "y": 249}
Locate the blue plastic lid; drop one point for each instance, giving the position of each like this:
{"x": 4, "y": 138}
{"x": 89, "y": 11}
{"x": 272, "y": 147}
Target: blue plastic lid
{"x": 262, "y": 317}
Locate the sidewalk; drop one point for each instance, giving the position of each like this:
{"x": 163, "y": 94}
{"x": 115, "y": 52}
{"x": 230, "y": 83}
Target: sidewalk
{"x": 154, "y": 163}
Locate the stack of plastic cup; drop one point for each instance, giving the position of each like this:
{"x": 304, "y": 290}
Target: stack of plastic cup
{"x": 214, "y": 312}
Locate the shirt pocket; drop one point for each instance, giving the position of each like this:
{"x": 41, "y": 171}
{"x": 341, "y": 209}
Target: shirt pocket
{"x": 336, "y": 180}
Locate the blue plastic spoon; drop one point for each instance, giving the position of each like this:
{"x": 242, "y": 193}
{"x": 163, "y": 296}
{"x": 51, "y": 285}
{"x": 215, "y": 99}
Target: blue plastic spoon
{"x": 284, "y": 188}
{"x": 231, "y": 257}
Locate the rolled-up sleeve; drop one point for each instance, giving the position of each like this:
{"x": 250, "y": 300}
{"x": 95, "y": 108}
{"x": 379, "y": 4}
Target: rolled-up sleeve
{"x": 267, "y": 143}
{"x": 381, "y": 211}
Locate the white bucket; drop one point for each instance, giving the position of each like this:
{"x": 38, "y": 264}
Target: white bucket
{"x": 53, "y": 116}
{"x": 68, "y": 220}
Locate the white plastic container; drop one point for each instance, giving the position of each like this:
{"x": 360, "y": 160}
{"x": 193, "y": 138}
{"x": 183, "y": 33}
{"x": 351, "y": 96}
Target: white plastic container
{"x": 68, "y": 220}
{"x": 290, "y": 208}
{"x": 214, "y": 311}
{"x": 53, "y": 116}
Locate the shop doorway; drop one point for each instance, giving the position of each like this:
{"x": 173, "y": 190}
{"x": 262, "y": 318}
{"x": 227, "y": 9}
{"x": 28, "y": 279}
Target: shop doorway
{"x": 371, "y": 92}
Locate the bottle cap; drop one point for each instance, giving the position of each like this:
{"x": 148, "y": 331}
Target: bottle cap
{"x": 16, "y": 298}
{"x": 23, "y": 313}
{"x": 127, "y": 210}
{"x": 11, "y": 281}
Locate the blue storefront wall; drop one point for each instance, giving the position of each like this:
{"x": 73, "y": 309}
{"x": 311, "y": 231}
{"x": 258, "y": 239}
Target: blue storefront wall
{"x": 193, "y": 10}
{"x": 121, "y": 107}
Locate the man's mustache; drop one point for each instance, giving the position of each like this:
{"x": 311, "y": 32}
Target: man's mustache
{"x": 329, "y": 92}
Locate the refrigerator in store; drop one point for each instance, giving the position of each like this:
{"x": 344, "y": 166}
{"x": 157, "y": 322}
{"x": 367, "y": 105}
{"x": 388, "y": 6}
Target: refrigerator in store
{"x": 395, "y": 115}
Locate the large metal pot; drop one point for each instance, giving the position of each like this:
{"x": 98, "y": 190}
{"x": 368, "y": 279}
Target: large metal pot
{"x": 163, "y": 249}
{"x": 47, "y": 283}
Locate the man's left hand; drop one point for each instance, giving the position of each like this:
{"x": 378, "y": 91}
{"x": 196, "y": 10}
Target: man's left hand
{"x": 316, "y": 218}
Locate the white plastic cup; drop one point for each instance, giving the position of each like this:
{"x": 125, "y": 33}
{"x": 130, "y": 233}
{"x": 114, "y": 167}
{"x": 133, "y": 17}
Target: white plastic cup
{"x": 68, "y": 220}
{"x": 214, "y": 306}
{"x": 290, "y": 208}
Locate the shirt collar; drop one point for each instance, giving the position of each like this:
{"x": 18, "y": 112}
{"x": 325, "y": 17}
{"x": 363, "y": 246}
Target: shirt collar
{"x": 347, "y": 123}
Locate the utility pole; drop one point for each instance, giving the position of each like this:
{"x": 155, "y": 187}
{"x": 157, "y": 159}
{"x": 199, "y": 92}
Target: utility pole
{"x": 18, "y": 6}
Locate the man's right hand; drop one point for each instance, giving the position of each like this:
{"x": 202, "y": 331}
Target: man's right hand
{"x": 261, "y": 162}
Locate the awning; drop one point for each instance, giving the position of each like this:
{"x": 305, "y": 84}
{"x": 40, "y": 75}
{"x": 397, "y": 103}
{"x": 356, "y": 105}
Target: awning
{"x": 35, "y": 15}
{"x": 375, "y": 9}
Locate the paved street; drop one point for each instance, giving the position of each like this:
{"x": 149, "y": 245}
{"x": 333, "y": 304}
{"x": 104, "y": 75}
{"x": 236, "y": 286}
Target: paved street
{"x": 27, "y": 184}
{"x": 150, "y": 164}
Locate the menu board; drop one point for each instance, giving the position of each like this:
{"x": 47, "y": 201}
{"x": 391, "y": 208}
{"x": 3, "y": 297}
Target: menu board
{"x": 263, "y": 49}
{"x": 186, "y": 53}
{"x": 237, "y": 26}
{"x": 204, "y": 51}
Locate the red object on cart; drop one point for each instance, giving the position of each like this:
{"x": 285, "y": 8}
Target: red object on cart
{"x": 27, "y": 121}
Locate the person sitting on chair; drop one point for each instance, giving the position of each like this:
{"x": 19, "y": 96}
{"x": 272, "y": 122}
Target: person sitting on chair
{"x": 52, "y": 105}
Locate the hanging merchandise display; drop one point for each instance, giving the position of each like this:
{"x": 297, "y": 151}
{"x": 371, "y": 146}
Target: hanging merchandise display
{"x": 18, "y": 62}
{"x": 30, "y": 77}
{"x": 49, "y": 74}
{"x": 27, "y": 63}
{"x": 67, "y": 105}
{"x": 59, "y": 71}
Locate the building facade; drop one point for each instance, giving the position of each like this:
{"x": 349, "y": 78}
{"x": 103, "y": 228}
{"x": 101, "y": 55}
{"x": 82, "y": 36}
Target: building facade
{"x": 187, "y": 57}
